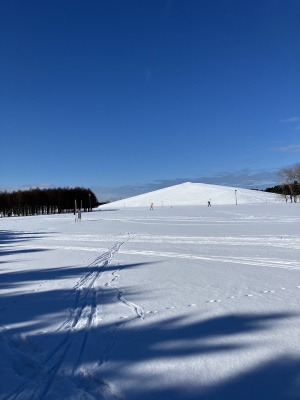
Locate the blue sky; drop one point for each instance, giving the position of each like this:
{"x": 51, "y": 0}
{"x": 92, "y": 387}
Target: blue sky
{"x": 133, "y": 95}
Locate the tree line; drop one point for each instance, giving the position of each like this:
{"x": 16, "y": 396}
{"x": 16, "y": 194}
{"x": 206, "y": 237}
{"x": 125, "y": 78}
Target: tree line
{"x": 46, "y": 201}
{"x": 65, "y": 200}
{"x": 290, "y": 186}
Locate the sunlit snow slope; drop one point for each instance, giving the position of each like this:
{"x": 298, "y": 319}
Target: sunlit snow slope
{"x": 196, "y": 194}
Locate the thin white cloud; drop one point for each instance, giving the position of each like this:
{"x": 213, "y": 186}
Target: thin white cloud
{"x": 292, "y": 119}
{"x": 292, "y": 148}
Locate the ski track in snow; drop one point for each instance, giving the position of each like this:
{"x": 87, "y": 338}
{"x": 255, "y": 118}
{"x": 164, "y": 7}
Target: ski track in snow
{"x": 255, "y": 261}
{"x": 282, "y": 241}
{"x": 44, "y": 368}
{"x": 285, "y": 242}
{"x": 139, "y": 311}
{"x": 82, "y": 318}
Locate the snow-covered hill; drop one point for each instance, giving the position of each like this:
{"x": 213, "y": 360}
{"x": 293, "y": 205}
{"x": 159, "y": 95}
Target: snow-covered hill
{"x": 196, "y": 194}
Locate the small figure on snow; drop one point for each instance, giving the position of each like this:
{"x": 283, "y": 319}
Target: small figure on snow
{"x": 208, "y": 203}
{"x": 151, "y": 206}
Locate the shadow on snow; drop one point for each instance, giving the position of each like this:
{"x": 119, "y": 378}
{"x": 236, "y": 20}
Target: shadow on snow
{"x": 9, "y": 241}
{"x": 38, "y": 365}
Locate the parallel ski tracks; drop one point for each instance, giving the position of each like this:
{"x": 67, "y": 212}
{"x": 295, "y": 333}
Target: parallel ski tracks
{"x": 254, "y": 261}
{"x": 82, "y": 318}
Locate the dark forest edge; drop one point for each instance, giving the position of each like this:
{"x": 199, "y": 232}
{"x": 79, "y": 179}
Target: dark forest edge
{"x": 286, "y": 190}
{"x": 46, "y": 201}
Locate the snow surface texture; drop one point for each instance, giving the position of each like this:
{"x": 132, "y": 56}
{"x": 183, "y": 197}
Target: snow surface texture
{"x": 187, "y": 194}
{"x": 194, "y": 303}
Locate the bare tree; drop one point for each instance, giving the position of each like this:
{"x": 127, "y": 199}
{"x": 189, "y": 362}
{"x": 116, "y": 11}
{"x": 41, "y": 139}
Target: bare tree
{"x": 290, "y": 176}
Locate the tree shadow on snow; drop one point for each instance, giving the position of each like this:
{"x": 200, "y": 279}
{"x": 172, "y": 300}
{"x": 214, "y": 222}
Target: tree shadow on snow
{"x": 21, "y": 278}
{"x": 8, "y": 236}
{"x": 169, "y": 339}
{"x": 278, "y": 379}
{"x": 43, "y": 363}
{"x": 9, "y": 241}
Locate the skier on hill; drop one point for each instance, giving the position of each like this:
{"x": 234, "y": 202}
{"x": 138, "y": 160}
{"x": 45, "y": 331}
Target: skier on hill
{"x": 151, "y": 206}
{"x": 208, "y": 203}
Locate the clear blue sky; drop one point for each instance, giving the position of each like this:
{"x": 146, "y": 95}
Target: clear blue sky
{"x": 132, "y": 95}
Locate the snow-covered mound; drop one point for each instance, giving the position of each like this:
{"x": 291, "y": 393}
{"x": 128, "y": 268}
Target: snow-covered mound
{"x": 195, "y": 194}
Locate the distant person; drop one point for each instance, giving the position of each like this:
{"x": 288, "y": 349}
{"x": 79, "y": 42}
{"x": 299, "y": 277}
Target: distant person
{"x": 151, "y": 206}
{"x": 208, "y": 203}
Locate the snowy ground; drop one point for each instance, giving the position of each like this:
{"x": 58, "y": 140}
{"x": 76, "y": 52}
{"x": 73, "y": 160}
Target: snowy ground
{"x": 176, "y": 303}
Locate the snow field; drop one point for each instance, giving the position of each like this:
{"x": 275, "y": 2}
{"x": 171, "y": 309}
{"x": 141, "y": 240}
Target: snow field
{"x": 177, "y": 303}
